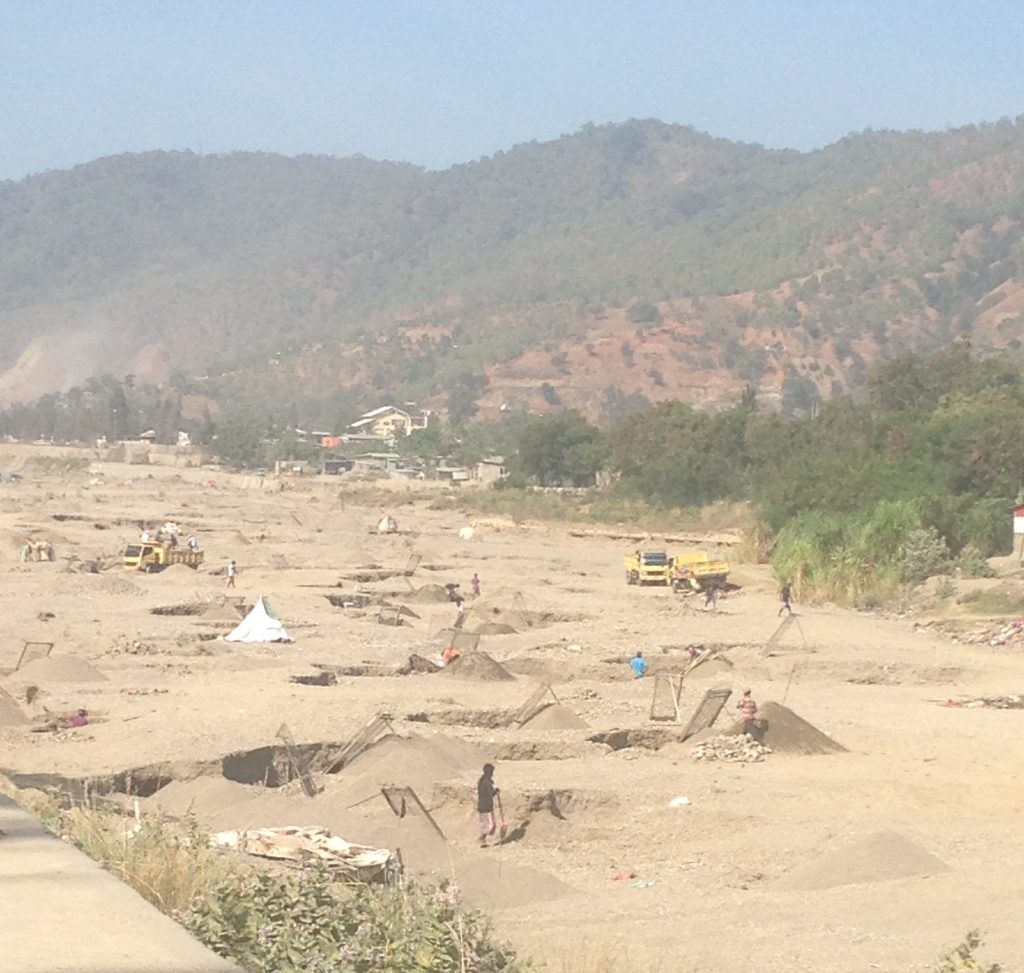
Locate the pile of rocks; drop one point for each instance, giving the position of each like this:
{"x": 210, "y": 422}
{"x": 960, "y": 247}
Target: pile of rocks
{"x": 992, "y": 633}
{"x": 742, "y": 749}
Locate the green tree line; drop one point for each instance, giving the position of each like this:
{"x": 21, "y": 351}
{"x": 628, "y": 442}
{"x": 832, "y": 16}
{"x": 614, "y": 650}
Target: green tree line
{"x": 917, "y": 476}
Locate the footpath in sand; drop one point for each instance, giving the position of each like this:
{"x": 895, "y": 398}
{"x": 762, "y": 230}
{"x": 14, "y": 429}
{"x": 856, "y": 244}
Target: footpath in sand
{"x": 62, "y": 913}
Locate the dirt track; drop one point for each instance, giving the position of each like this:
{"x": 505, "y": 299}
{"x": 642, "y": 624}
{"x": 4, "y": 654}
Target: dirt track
{"x": 752, "y": 869}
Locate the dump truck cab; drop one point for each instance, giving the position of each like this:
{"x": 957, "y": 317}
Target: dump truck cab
{"x": 696, "y": 571}
{"x": 151, "y": 557}
{"x": 648, "y": 567}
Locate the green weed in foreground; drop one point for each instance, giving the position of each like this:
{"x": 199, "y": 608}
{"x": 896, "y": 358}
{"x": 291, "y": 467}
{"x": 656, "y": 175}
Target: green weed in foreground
{"x": 271, "y": 923}
{"x": 279, "y": 922}
{"x": 962, "y": 959}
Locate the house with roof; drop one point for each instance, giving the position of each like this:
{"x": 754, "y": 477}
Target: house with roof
{"x": 388, "y": 422}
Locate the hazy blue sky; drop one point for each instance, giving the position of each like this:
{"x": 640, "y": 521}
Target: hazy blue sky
{"x": 443, "y": 81}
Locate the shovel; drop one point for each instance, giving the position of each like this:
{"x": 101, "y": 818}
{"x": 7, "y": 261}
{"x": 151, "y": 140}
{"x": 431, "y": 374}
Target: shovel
{"x": 503, "y": 829}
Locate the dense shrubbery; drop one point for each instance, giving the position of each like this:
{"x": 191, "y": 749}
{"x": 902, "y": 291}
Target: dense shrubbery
{"x": 917, "y": 479}
{"x": 299, "y": 924}
{"x": 274, "y": 922}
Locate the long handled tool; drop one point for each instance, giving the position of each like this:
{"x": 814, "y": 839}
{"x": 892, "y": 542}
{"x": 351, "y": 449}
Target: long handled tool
{"x": 503, "y": 829}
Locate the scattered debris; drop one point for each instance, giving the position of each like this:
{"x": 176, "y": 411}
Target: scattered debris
{"x": 122, "y": 645}
{"x": 987, "y": 702}
{"x": 301, "y": 846}
{"x": 984, "y": 633}
{"x": 731, "y": 749}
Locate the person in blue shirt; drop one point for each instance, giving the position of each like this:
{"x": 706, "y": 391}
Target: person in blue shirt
{"x": 639, "y": 665}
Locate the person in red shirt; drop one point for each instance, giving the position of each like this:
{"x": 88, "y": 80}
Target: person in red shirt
{"x": 748, "y": 712}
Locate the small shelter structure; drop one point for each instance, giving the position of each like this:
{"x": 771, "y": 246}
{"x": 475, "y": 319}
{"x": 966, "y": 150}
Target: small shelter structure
{"x": 260, "y": 625}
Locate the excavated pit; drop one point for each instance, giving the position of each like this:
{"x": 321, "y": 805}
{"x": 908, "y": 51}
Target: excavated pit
{"x": 542, "y": 750}
{"x": 267, "y": 766}
{"x": 185, "y": 609}
{"x": 350, "y": 600}
{"x": 320, "y": 679}
{"x": 652, "y": 739}
{"x": 332, "y": 673}
{"x": 488, "y": 719}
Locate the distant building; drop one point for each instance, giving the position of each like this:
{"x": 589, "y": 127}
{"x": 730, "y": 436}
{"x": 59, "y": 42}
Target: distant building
{"x": 380, "y": 462}
{"x": 453, "y": 474}
{"x": 388, "y": 422}
{"x": 335, "y": 467}
{"x": 490, "y": 470}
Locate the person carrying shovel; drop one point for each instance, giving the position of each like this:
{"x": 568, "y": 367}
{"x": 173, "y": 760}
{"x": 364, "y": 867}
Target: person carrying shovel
{"x": 486, "y": 793}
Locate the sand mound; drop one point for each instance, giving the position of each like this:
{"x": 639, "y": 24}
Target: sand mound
{"x": 426, "y": 594}
{"x": 789, "y": 733}
{"x": 118, "y": 586}
{"x": 555, "y": 717}
{"x": 414, "y": 761}
{"x": 880, "y": 857}
{"x": 224, "y": 612}
{"x": 203, "y": 796}
{"x": 494, "y": 628}
{"x": 477, "y": 665}
{"x": 61, "y": 668}
{"x": 10, "y": 712}
{"x": 494, "y": 884}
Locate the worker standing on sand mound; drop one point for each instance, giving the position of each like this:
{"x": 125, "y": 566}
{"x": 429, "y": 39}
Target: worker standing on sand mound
{"x": 485, "y": 794}
{"x": 639, "y": 665}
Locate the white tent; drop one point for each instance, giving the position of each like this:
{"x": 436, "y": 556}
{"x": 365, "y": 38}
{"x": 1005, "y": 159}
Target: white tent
{"x": 260, "y": 625}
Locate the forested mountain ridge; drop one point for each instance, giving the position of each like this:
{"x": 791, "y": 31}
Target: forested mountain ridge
{"x": 622, "y": 262}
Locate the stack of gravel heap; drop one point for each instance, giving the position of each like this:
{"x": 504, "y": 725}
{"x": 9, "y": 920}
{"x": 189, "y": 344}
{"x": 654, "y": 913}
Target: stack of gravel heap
{"x": 741, "y": 749}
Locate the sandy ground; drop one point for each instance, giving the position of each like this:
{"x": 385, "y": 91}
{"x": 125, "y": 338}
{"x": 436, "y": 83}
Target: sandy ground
{"x": 872, "y": 859}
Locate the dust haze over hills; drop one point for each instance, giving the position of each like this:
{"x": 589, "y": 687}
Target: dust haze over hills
{"x": 628, "y": 260}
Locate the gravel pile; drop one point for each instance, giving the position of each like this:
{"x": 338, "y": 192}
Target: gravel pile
{"x": 732, "y": 749}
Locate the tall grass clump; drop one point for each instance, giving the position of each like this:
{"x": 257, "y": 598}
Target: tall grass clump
{"x": 168, "y": 864}
{"x": 859, "y": 558}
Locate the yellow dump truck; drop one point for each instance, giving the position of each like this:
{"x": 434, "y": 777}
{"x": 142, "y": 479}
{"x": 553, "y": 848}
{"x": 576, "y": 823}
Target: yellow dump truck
{"x": 648, "y": 567}
{"x": 695, "y": 571}
{"x": 156, "y": 557}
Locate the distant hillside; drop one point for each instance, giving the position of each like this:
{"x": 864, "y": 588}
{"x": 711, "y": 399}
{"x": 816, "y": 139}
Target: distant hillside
{"x": 624, "y": 261}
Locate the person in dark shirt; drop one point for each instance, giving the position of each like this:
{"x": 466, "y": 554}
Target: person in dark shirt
{"x": 786, "y": 596}
{"x": 485, "y": 791}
